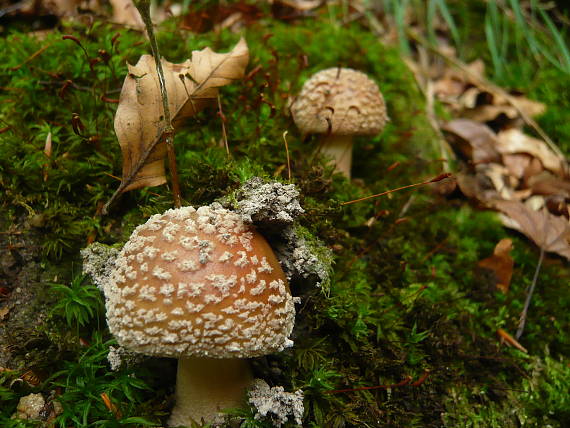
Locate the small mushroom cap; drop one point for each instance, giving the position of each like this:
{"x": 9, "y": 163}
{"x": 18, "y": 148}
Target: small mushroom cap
{"x": 199, "y": 282}
{"x": 340, "y": 101}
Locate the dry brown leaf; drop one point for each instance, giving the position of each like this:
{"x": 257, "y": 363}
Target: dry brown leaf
{"x": 535, "y": 203}
{"x": 468, "y": 185}
{"x": 549, "y": 232}
{"x": 303, "y": 5}
{"x": 515, "y": 141}
{"x": 454, "y": 82}
{"x": 489, "y": 112}
{"x": 557, "y": 205}
{"x": 510, "y": 340}
{"x": 4, "y": 312}
{"x": 517, "y": 164}
{"x": 468, "y": 99}
{"x": 64, "y": 8}
{"x": 547, "y": 184}
{"x": 476, "y": 140}
{"x": 529, "y": 107}
{"x": 500, "y": 178}
{"x": 191, "y": 86}
{"x": 535, "y": 168}
{"x": 125, "y": 12}
{"x": 501, "y": 263}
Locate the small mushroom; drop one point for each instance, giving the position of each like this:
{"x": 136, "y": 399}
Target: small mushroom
{"x": 339, "y": 103}
{"x": 201, "y": 286}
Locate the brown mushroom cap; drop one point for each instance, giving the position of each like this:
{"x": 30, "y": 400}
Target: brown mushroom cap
{"x": 199, "y": 282}
{"x": 340, "y": 101}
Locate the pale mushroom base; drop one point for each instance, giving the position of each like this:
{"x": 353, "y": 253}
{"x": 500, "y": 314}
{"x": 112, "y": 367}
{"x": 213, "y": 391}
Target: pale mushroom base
{"x": 339, "y": 148}
{"x": 206, "y": 386}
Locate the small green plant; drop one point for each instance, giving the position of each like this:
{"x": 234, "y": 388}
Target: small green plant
{"x": 79, "y": 302}
{"x": 8, "y": 397}
{"x": 85, "y": 380}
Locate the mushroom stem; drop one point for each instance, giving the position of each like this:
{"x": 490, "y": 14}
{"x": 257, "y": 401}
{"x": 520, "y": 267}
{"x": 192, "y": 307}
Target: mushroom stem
{"x": 339, "y": 147}
{"x": 206, "y": 386}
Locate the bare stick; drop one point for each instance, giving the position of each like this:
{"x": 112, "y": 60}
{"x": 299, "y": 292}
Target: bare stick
{"x": 143, "y": 7}
{"x": 522, "y": 320}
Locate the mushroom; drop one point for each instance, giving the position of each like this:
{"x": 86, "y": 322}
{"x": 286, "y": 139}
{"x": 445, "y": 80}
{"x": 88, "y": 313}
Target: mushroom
{"x": 340, "y": 103}
{"x": 201, "y": 286}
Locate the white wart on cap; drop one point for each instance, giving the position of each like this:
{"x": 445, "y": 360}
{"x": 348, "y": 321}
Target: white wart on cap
{"x": 340, "y": 103}
{"x": 199, "y": 282}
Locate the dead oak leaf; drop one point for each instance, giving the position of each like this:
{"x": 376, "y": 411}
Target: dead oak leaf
{"x": 549, "y": 185}
{"x": 125, "y": 12}
{"x": 453, "y": 82}
{"x": 501, "y": 264}
{"x": 191, "y": 86}
{"x": 551, "y": 233}
{"x": 475, "y": 140}
{"x": 4, "y": 312}
{"x": 515, "y": 141}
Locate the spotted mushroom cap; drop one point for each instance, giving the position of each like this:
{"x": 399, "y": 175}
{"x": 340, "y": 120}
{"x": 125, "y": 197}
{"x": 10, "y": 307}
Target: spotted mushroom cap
{"x": 340, "y": 101}
{"x": 199, "y": 282}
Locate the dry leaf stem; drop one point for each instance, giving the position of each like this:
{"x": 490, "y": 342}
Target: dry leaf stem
{"x": 143, "y": 7}
{"x": 522, "y": 320}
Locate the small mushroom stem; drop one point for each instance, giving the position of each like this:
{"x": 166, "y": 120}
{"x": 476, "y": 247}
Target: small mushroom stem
{"x": 206, "y": 386}
{"x": 339, "y": 147}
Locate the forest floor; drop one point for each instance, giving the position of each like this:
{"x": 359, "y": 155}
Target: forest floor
{"x": 410, "y": 302}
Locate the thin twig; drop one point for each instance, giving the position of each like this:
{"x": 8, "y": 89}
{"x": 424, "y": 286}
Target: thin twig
{"x": 522, "y": 320}
{"x": 143, "y": 7}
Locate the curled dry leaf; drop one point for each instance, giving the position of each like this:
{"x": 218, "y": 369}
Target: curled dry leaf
{"x": 125, "y": 12}
{"x": 518, "y": 164}
{"x": 515, "y": 141}
{"x": 547, "y": 184}
{"x": 549, "y": 232}
{"x": 530, "y": 107}
{"x": 490, "y": 112}
{"x": 475, "y": 140}
{"x": 501, "y": 263}
{"x": 4, "y": 312}
{"x": 191, "y": 86}
{"x": 453, "y": 82}
{"x": 498, "y": 175}
{"x": 483, "y": 106}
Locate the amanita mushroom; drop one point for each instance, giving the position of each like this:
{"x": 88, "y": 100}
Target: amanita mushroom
{"x": 201, "y": 286}
{"x": 339, "y": 103}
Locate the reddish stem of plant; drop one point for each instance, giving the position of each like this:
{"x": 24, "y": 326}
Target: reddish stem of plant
{"x": 409, "y": 186}
{"x": 406, "y": 382}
